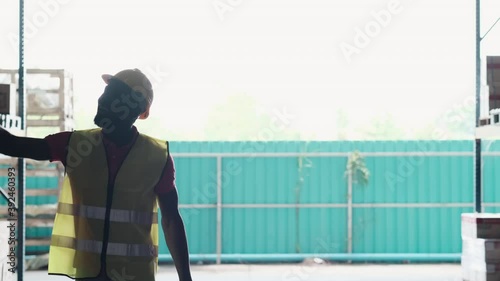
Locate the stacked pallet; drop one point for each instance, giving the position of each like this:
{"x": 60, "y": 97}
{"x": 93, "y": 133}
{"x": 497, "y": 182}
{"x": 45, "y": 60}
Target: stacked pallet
{"x": 480, "y": 247}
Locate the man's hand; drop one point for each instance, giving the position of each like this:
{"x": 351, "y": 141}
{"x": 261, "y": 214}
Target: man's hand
{"x": 22, "y": 147}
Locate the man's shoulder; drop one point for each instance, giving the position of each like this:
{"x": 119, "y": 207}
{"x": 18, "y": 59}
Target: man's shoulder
{"x": 153, "y": 139}
{"x": 58, "y": 135}
{"x": 87, "y": 134}
{"x": 88, "y": 131}
{"x": 160, "y": 146}
{"x": 62, "y": 138}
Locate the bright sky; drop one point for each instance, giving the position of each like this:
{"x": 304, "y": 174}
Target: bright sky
{"x": 294, "y": 54}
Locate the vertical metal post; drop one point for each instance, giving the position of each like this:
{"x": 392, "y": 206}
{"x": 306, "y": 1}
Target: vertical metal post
{"x": 21, "y": 162}
{"x": 219, "y": 209}
{"x": 349, "y": 210}
{"x": 477, "y": 158}
{"x": 478, "y": 173}
{"x": 478, "y": 61}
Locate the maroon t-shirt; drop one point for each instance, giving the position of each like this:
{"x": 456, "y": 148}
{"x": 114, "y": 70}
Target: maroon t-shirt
{"x": 115, "y": 156}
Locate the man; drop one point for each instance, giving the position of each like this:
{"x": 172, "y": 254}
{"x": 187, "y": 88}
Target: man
{"x": 106, "y": 225}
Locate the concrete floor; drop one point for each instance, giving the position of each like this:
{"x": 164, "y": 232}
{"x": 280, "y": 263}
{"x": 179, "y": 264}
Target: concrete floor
{"x": 300, "y": 272}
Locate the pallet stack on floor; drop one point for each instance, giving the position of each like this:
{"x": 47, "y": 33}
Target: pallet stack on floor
{"x": 480, "y": 247}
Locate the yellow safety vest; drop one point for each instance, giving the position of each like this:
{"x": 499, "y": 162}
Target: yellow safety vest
{"x": 99, "y": 224}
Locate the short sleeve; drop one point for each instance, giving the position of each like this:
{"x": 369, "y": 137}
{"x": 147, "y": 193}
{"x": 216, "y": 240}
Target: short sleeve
{"x": 167, "y": 181}
{"x": 58, "y": 146}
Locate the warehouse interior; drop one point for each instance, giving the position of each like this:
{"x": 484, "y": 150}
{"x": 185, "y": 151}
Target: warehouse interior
{"x": 264, "y": 207}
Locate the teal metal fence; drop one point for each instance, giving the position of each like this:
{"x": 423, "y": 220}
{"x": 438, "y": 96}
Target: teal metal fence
{"x": 277, "y": 201}
{"x": 269, "y": 201}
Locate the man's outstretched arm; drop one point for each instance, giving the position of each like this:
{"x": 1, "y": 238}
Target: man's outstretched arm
{"x": 23, "y": 147}
{"x": 175, "y": 233}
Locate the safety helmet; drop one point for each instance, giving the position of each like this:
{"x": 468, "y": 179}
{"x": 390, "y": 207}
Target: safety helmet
{"x": 138, "y": 82}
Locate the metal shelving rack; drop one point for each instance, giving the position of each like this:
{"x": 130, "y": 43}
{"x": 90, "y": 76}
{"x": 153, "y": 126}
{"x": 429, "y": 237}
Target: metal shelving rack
{"x": 49, "y": 106}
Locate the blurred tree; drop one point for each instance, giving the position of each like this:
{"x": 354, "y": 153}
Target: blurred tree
{"x": 455, "y": 123}
{"x": 242, "y": 118}
{"x": 356, "y": 169}
{"x": 342, "y": 124}
{"x": 428, "y": 132}
{"x": 154, "y": 126}
{"x": 383, "y": 127}
{"x": 84, "y": 119}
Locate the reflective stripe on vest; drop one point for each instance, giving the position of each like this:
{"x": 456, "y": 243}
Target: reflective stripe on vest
{"x": 93, "y": 212}
{"x": 93, "y": 246}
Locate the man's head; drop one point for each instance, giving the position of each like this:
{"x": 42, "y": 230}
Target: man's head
{"x": 127, "y": 96}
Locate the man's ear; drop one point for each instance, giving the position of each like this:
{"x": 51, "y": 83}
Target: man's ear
{"x": 145, "y": 114}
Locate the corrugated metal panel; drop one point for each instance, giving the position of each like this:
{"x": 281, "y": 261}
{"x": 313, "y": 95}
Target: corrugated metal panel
{"x": 407, "y": 230}
{"x": 323, "y": 230}
{"x": 417, "y": 179}
{"x": 196, "y": 179}
{"x": 325, "y": 146}
{"x": 492, "y": 209}
{"x": 395, "y": 179}
{"x": 273, "y": 230}
{"x": 324, "y": 180}
{"x": 258, "y": 230}
{"x": 258, "y": 181}
{"x": 200, "y": 230}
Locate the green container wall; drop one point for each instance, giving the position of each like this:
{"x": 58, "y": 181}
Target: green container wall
{"x": 401, "y": 179}
{"x": 273, "y": 180}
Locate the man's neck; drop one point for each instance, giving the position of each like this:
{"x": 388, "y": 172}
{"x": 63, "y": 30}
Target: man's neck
{"x": 120, "y": 136}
